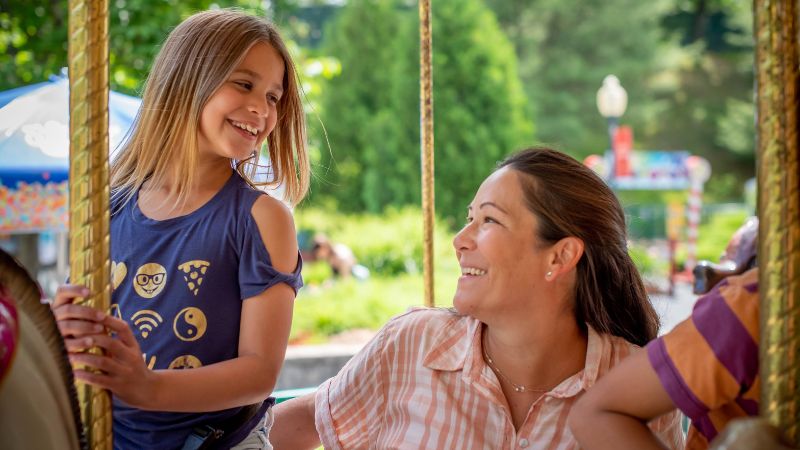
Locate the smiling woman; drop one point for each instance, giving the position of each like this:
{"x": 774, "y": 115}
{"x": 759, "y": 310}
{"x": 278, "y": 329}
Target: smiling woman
{"x": 501, "y": 257}
{"x": 547, "y": 302}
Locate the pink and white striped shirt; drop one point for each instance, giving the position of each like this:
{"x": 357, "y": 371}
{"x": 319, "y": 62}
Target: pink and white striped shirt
{"x": 422, "y": 383}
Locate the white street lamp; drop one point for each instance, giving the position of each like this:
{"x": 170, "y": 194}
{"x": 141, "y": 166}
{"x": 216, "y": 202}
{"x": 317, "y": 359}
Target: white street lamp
{"x": 612, "y": 100}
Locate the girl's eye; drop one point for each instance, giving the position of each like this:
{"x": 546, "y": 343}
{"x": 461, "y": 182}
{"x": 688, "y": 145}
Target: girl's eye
{"x": 468, "y": 220}
{"x": 244, "y": 85}
{"x": 273, "y": 99}
{"x": 489, "y": 220}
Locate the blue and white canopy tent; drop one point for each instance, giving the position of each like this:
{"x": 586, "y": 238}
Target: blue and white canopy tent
{"x": 34, "y": 153}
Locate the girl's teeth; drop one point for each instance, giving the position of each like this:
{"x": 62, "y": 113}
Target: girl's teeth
{"x": 246, "y": 127}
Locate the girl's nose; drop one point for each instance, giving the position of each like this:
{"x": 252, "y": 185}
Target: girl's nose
{"x": 258, "y": 105}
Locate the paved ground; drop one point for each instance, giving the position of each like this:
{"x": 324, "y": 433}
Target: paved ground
{"x": 674, "y": 309}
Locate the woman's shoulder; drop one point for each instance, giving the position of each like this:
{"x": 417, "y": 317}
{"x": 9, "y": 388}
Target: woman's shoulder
{"x": 412, "y": 335}
{"x": 609, "y": 349}
{"x": 426, "y": 322}
{"x": 428, "y": 316}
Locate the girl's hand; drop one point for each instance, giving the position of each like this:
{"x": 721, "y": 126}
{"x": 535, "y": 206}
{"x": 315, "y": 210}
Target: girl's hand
{"x": 75, "y": 321}
{"x": 124, "y": 372}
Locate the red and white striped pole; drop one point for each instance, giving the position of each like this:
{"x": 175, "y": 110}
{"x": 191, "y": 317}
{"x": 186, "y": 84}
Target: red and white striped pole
{"x": 699, "y": 171}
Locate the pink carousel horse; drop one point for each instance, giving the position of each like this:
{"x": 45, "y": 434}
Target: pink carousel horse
{"x": 38, "y": 401}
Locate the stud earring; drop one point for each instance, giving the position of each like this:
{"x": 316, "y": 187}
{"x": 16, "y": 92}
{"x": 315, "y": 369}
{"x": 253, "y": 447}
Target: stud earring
{"x": 549, "y": 274}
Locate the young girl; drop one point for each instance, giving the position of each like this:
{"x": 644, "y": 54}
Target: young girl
{"x": 205, "y": 268}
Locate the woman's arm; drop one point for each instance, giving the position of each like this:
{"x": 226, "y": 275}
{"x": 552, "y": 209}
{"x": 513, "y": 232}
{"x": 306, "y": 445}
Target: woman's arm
{"x": 613, "y": 414}
{"x": 294, "y": 427}
{"x": 249, "y": 378}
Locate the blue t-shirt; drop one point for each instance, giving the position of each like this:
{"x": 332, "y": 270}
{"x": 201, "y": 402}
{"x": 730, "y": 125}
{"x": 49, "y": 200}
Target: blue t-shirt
{"x": 180, "y": 283}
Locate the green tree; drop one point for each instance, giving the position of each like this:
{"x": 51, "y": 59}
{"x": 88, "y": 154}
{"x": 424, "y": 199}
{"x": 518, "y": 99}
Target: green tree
{"x": 33, "y": 37}
{"x": 572, "y": 47}
{"x": 364, "y": 39}
{"x": 712, "y": 101}
{"x": 479, "y": 102}
{"x": 372, "y": 110}
{"x": 687, "y": 66}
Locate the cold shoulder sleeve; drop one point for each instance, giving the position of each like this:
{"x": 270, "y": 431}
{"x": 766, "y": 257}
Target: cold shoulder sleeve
{"x": 256, "y": 272}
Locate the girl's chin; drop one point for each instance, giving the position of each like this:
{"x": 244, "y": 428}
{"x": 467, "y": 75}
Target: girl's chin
{"x": 239, "y": 154}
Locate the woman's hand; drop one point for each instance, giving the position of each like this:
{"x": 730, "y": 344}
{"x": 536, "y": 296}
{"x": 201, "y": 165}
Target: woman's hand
{"x": 121, "y": 369}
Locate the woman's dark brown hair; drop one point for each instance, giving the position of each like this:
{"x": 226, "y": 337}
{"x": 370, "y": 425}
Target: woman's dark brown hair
{"x": 569, "y": 199}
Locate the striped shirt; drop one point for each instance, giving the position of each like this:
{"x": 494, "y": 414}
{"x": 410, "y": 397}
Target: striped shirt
{"x": 422, "y": 383}
{"x": 709, "y": 363}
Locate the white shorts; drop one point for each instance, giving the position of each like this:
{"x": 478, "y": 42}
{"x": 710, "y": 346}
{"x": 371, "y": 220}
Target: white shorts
{"x": 258, "y": 439}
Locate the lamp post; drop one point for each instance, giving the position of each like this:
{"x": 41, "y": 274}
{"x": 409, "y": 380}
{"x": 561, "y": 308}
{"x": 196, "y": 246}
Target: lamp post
{"x": 612, "y": 99}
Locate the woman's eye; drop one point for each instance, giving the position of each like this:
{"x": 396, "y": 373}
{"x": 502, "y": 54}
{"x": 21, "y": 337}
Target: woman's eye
{"x": 273, "y": 99}
{"x": 244, "y": 85}
{"x": 489, "y": 220}
{"x": 468, "y": 220}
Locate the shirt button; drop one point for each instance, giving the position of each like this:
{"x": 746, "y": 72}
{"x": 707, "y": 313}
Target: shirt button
{"x": 523, "y": 443}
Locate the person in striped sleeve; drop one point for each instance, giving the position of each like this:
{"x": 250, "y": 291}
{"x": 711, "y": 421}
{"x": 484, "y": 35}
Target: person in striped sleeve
{"x": 547, "y": 302}
{"x": 707, "y": 367}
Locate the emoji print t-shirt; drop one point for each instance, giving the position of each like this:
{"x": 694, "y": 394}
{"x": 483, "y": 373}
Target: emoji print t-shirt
{"x": 180, "y": 283}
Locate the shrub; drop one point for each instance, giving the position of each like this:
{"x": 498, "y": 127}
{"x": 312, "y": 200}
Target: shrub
{"x": 718, "y": 225}
{"x": 388, "y": 244}
{"x": 391, "y": 246}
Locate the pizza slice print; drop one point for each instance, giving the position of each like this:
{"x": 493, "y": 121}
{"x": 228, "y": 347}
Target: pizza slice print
{"x": 193, "y": 272}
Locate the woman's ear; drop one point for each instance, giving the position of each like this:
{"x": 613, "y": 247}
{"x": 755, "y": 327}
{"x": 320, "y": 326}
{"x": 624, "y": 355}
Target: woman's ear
{"x": 566, "y": 254}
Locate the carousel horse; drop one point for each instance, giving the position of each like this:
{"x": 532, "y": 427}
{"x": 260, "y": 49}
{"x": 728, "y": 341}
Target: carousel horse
{"x": 38, "y": 400}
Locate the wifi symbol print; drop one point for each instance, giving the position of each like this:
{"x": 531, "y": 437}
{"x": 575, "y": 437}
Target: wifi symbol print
{"x": 146, "y": 321}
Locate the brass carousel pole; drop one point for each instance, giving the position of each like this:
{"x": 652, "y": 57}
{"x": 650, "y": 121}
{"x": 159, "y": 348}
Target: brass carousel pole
{"x": 88, "y": 177}
{"x": 777, "y": 101}
{"x": 779, "y": 212}
{"x": 426, "y": 142}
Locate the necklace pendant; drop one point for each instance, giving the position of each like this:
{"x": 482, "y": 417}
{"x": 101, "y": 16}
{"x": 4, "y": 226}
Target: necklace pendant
{"x": 519, "y": 388}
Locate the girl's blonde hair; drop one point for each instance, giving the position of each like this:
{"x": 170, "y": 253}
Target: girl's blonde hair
{"x": 196, "y": 58}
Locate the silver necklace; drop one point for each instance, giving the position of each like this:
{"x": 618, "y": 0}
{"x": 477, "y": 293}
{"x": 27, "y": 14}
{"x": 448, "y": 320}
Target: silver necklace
{"x": 517, "y": 387}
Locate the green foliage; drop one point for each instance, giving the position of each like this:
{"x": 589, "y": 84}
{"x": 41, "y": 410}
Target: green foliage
{"x": 33, "y": 39}
{"x": 647, "y": 265}
{"x": 364, "y": 40}
{"x": 33, "y": 44}
{"x": 565, "y": 57}
{"x": 708, "y": 103}
{"x": 388, "y": 244}
{"x": 316, "y": 272}
{"x": 371, "y": 110}
{"x": 715, "y": 231}
{"x": 479, "y": 100}
{"x": 687, "y": 66}
{"x": 344, "y": 305}
{"x": 646, "y": 211}
{"x": 385, "y": 243}
{"x": 735, "y": 128}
